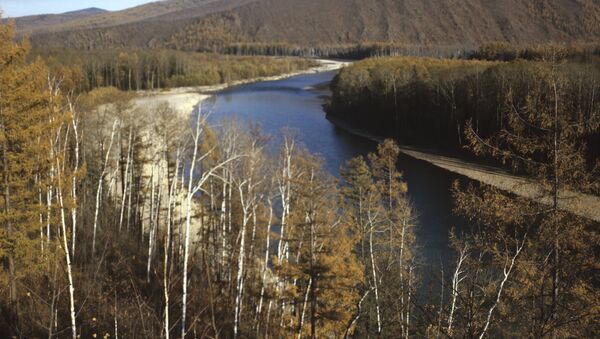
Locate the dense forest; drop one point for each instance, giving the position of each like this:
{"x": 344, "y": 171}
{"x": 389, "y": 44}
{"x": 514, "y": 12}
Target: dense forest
{"x": 541, "y": 52}
{"x": 427, "y": 101}
{"x": 342, "y": 51}
{"x": 141, "y": 69}
{"x": 498, "y": 51}
{"x": 144, "y": 223}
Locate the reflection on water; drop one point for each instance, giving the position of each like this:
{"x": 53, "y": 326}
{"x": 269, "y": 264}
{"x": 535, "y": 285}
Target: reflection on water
{"x": 296, "y": 103}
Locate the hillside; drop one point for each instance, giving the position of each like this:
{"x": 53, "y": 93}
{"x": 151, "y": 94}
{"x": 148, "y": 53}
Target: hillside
{"x": 202, "y": 24}
{"x": 43, "y": 21}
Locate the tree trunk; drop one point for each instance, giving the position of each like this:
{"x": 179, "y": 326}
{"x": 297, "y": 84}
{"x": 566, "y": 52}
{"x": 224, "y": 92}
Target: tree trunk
{"x": 240, "y": 273}
{"x": 74, "y": 182}
{"x": 67, "y": 256}
{"x": 125, "y": 178}
{"x": 99, "y": 189}
{"x": 266, "y": 262}
{"x": 188, "y": 217}
{"x": 374, "y": 273}
{"x": 167, "y": 245}
{"x": 9, "y": 233}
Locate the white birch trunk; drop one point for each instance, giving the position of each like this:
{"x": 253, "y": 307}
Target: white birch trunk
{"x": 172, "y": 192}
{"x": 67, "y": 256}
{"x": 246, "y": 206}
{"x": 248, "y": 201}
{"x": 224, "y": 223}
{"x": 99, "y": 189}
{"x": 266, "y": 262}
{"x": 285, "y": 192}
{"x": 508, "y": 267}
{"x": 125, "y": 178}
{"x": 191, "y": 191}
{"x": 457, "y": 278}
{"x": 151, "y": 225}
{"x": 304, "y": 308}
{"x": 240, "y": 273}
{"x": 410, "y": 272}
{"x": 74, "y": 180}
{"x": 188, "y": 216}
{"x": 49, "y": 195}
{"x": 374, "y": 273}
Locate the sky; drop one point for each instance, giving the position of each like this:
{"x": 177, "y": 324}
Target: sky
{"x": 14, "y": 8}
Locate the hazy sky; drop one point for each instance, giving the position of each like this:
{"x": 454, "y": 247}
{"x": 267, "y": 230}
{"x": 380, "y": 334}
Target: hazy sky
{"x": 14, "y": 8}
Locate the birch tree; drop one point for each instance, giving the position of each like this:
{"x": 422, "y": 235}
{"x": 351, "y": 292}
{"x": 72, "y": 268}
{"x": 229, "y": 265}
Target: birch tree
{"x": 195, "y": 184}
{"x": 248, "y": 181}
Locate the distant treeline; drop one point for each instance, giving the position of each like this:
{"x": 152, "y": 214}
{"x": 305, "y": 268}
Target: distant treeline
{"x": 498, "y": 51}
{"x": 428, "y": 101}
{"x": 542, "y": 52}
{"x": 343, "y": 51}
{"x": 142, "y": 69}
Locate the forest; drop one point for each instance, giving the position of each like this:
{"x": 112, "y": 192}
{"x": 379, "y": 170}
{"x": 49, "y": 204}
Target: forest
{"x": 428, "y": 101}
{"x": 558, "y": 52}
{"x": 141, "y": 223}
{"x": 497, "y": 51}
{"x": 342, "y": 51}
{"x": 148, "y": 69}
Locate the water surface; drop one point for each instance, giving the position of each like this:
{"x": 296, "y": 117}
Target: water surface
{"x": 296, "y": 103}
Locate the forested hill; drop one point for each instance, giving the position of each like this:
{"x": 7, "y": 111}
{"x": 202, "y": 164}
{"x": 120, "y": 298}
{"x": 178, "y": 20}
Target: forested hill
{"x": 43, "y": 21}
{"x": 207, "y": 24}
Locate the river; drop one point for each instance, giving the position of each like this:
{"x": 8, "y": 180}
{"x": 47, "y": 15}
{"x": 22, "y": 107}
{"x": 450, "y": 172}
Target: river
{"x": 296, "y": 103}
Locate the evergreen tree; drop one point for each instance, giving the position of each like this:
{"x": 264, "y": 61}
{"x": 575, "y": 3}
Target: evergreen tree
{"x": 551, "y": 280}
{"x": 25, "y": 124}
{"x": 323, "y": 270}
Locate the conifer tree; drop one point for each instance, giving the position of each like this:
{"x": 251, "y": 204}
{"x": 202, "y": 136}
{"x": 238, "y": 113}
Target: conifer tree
{"x": 24, "y": 125}
{"x": 323, "y": 270}
{"x": 552, "y": 280}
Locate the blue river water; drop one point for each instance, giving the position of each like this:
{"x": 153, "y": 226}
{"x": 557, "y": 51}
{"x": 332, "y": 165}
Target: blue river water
{"x": 296, "y": 103}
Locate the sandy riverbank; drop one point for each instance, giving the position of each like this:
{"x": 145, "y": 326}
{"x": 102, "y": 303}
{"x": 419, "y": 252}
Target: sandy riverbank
{"x": 584, "y": 205}
{"x": 184, "y": 99}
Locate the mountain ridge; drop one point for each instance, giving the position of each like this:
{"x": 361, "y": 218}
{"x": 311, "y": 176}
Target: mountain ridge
{"x": 202, "y": 24}
{"x": 32, "y": 23}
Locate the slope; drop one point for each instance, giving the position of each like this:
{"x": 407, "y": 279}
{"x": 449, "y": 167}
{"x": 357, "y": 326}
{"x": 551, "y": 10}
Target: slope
{"x": 38, "y": 22}
{"x": 202, "y": 24}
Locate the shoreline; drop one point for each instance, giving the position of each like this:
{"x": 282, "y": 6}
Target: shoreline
{"x": 185, "y": 99}
{"x": 583, "y": 205}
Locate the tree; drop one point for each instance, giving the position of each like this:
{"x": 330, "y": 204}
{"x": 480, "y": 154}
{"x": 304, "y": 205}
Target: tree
{"x": 41, "y": 170}
{"x": 362, "y": 204}
{"x": 321, "y": 282}
{"x": 24, "y": 121}
{"x": 543, "y": 139}
{"x": 397, "y": 238}
{"x": 375, "y": 204}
